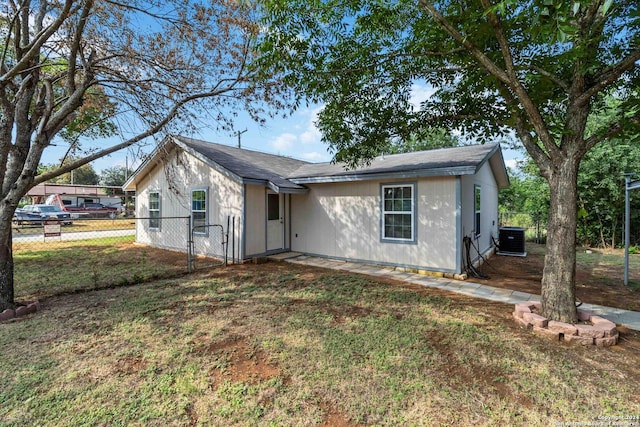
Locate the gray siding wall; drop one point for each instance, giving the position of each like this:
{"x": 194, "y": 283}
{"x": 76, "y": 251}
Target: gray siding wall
{"x": 342, "y": 220}
{"x": 256, "y": 215}
{"x": 489, "y": 207}
{"x": 180, "y": 174}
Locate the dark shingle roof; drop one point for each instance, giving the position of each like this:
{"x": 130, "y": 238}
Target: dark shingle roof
{"x": 445, "y": 161}
{"x": 287, "y": 175}
{"x": 247, "y": 164}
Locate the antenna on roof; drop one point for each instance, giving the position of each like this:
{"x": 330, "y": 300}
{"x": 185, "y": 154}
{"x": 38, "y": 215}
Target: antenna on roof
{"x": 238, "y": 132}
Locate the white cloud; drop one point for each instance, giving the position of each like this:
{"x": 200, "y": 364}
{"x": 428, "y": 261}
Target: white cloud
{"x": 420, "y": 93}
{"x": 511, "y": 163}
{"x": 311, "y": 134}
{"x": 284, "y": 141}
{"x": 314, "y": 156}
{"x": 304, "y": 132}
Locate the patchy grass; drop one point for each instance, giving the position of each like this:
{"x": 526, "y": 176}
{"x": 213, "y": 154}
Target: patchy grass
{"x": 76, "y": 266}
{"x": 279, "y": 344}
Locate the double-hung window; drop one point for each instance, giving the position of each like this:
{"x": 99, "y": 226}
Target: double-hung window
{"x": 199, "y": 211}
{"x": 477, "y": 193}
{"x": 154, "y": 210}
{"x": 398, "y": 213}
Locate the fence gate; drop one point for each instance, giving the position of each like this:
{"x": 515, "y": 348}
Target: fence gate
{"x": 208, "y": 246}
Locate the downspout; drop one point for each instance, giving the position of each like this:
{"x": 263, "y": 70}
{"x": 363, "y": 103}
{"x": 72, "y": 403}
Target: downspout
{"x": 284, "y": 219}
{"x": 242, "y": 247}
{"x": 459, "y": 236}
{"x": 289, "y": 223}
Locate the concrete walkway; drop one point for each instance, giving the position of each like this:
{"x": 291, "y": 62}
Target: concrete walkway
{"x": 627, "y": 318}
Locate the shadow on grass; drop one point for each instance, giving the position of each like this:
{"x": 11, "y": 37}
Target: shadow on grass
{"x": 75, "y": 268}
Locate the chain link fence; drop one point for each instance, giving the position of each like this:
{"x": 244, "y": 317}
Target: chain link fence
{"x": 96, "y": 253}
{"x": 534, "y": 224}
{"x": 208, "y": 246}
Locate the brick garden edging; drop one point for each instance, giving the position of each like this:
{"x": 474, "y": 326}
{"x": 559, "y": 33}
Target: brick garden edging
{"x": 601, "y": 332}
{"x": 22, "y": 310}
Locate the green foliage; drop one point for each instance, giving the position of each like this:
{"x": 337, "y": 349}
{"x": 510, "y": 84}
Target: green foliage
{"x": 361, "y": 59}
{"x": 115, "y": 176}
{"x": 84, "y": 175}
{"x": 528, "y": 193}
{"x": 92, "y": 119}
{"x": 429, "y": 139}
{"x": 601, "y": 194}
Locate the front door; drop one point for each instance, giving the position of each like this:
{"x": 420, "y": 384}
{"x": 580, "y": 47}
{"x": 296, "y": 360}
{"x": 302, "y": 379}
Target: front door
{"x": 275, "y": 221}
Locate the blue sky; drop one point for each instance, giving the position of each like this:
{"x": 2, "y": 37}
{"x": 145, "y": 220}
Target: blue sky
{"x": 295, "y": 136}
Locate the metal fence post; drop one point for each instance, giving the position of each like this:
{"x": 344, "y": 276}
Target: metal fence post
{"x": 226, "y": 243}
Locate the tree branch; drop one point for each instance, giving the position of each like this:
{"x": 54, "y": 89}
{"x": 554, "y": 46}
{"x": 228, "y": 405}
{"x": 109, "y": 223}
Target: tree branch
{"x": 612, "y": 130}
{"x": 610, "y": 75}
{"x": 508, "y": 78}
{"x": 75, "y": 46}
{"x": 33, "y": 48}
{"x": 149, "y": 132}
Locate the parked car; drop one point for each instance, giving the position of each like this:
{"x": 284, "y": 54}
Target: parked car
{"x": 35, "y": 214}
{"x": 95, "y": 210}
{"x": 26, "y": 218}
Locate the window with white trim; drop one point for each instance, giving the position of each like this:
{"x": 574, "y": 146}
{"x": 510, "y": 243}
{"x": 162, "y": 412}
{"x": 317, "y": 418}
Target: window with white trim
{"x": 398, "y": 212}
{"x": 477, "y": 194}
{"x": 154, "y": 210}
{"x": 199, "y": 211}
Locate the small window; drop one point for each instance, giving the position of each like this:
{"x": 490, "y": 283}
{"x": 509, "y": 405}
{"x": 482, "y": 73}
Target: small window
{"x": 398, "y": 213}
{"x": 273, "y": 207}
{"x": 477, "y": 209}
{"x": 199, "y": 211}
{"x": 154, "y": 210}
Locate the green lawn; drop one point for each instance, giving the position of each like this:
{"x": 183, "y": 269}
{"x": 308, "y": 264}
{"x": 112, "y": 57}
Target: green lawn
{"x": 74, "y": 266}
{"x": 278, "y": 344}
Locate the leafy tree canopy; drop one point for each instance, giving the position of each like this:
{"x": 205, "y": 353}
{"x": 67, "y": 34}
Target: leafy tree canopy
{"x": 539, "y": 68}
{"x": 115, "y": 176}
{"x": 430, "y": 139}
{"x": 495, "y": 66}
{"x": 83, "y": 175}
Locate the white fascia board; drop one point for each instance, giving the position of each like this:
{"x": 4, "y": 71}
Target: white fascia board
{"x": 462, "y": 170}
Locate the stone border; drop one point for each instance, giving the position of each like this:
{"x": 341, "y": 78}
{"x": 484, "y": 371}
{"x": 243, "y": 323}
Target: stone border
{"x": 601, "y": 332}
{"x": 22, "y": 310}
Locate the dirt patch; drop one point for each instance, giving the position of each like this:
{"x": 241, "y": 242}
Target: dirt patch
{"x": 241, "y": 362}
{"x": 130, "y": 365}
{"x": 602, "y": 285}
{"x": 333, "y": 417}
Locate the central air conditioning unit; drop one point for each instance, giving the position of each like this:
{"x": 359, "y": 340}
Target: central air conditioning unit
{"x": 511, "y": 241}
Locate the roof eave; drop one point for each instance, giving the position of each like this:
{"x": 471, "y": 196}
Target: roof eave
{"x": 496, "y": 161}
{"x": 418, "y": 173}
{"x": 130, "y": 184}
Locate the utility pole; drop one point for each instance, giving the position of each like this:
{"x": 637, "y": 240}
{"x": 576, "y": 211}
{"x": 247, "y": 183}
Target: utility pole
{"x": 239, "y": 133}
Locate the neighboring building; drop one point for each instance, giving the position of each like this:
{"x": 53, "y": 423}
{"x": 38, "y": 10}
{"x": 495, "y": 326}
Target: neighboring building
{"x": 77, "y": 195}
{"x": 411, "y": 210}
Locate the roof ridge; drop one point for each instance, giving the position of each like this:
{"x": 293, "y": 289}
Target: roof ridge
{"x": 187, "y": 139}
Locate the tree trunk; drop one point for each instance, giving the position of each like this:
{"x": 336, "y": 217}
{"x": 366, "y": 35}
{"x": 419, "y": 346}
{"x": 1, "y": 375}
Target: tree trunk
{"x": 558, "y": 278}
{"x": 6, "y": 266}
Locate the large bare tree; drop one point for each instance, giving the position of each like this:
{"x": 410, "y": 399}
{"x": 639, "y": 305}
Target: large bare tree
{"x": 132, "y": 69}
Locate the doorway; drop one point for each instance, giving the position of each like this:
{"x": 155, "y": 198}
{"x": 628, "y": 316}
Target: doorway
{"x": 275, "y": 221}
